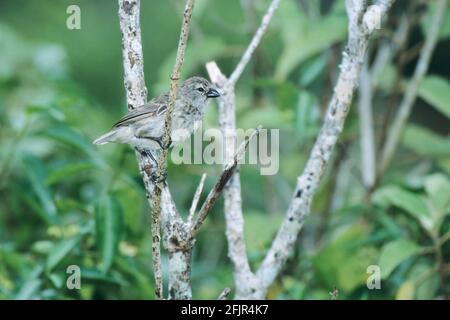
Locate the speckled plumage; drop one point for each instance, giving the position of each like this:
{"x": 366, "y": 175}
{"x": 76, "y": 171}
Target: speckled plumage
{"x": 143, "y": 127}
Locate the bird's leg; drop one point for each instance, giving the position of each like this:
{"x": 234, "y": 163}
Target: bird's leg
{"x": 157, "y": 180}
{"x": 153, "y": 174}
{"x": 161, "y": 142}
{"x": 148, "y": 166}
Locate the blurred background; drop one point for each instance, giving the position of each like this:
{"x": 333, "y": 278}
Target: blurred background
{"x": 65, "y": 202}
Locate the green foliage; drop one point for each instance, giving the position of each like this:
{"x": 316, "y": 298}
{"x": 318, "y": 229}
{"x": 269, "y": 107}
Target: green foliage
{"x": 393, "y": 253}
{"x": 303, "y": 38}
{"x": 343, "y": 263}
{"x": 436, "y": 91}
{"x": 66, "y": 202}
{"x": 108, "y": 224}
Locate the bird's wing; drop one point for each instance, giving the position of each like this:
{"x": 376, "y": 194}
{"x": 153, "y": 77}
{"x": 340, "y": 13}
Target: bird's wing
{"x": 153, "y": 108}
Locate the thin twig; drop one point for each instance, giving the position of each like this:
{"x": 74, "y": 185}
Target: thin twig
{"x": 253, "y": 43}
{"x": 220, "y": 184}
{"x": 367, "y": 140}
{"x": 224, "y": 294}
{"x": 161, "y": 168}
{"x": 404, "y": 110}
{"x": 196, "y": 199}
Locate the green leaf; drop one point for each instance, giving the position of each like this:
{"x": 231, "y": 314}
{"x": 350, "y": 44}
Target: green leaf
{"x": 394, "y": 253}
{"x": 444, "y": 31}
{"x": 36, "y": 174}
{"x": 436, "y": 92}
{"x": 303, "y": 38}
{"x": 254, "y": 223}
{"x": 268, "y": 117}
{"x": 312, "y": 69}
{"x": 60, "y": 251}
{"x": 99, "y": 275}
{"x": 418, "y": 139}
{"x": 343, "y": 261}
{"x": 287, "y": 95}
{"x": 437, "y": 187}
{"x": 307, "y": 115}
{"x": 71, "y": 138}
{"x": 57, "y": 279}
{"x": 429, "y": 283}
{"x": 108, "y": 226}
{"x": 42, "y": 247}
{"x": 70, "y": 169}
{"x": 387, "y": 77}
{"x": 28, "y": 290}
{"x": 406, "y": 291}
{"x": 30, "y": 287}
{"x": 412, "y": 203}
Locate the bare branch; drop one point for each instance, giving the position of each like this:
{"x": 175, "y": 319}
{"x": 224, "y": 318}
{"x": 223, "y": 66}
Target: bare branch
{"x": 161, "y": 168}
{"x": 405, "y": 107}
{"x": 220, "y": 185}
{"x": 367, "y": 140}
{"x": 244, "y": 278}
{"x": 133, "y": 59}
{"x": 224, "y": 295}
{"x": 369, "y": 81}
{"x": 245, "y": 59}
{"x": 133, "y": 62}
{"x": 196, "y": 199}
{"x": 387, "y": 50}
{"x": 321, "y": 153}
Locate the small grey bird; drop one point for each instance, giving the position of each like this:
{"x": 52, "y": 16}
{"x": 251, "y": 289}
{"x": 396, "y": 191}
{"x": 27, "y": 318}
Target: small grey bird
{"x": 143, "y": 127}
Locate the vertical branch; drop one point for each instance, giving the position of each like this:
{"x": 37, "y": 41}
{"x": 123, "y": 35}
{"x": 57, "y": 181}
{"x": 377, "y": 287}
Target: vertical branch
{"x": 234, "y": 219}
{"x": 246, "y": 282}
{"x": 177, "y": 284}
{"x": 367, "y": 140}
{"x": 404, "y": 110}
{"x": 136, "y": 91}
{"x": 133, "y": 58}
{"x": 308, "y": 182}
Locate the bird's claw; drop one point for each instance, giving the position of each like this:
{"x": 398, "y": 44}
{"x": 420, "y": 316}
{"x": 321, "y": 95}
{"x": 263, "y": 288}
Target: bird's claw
{"x": 158, "y": 179}
{"x": 163, "y": 145}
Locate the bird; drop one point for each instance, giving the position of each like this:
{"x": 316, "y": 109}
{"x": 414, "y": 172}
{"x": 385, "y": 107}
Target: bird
{"x": 143, "y": 127}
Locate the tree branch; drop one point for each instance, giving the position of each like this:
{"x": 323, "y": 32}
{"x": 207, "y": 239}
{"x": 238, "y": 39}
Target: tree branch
{"x": 367, "y": 140}
{"x": 136, "y": 91}
{"x": 221, "y": 183}
{"x": 308, "y": 182}
{"x": 161, "y": 168}
{"x": 196, "y": 199}
{"x": 253, "y": 43}
{"x": 234, "y": 219}
{"x": 405, "y": 107}
{"x": 133, "y": 59}
{"x": 245, "y": 281}
{"x": 224, "y": 294}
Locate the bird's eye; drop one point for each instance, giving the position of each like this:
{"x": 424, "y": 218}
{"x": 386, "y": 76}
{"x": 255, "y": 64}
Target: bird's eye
{"x": 201, "y": 89}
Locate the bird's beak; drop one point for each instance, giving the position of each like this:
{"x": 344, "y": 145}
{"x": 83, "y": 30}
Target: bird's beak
{"x": 212, "y": 93}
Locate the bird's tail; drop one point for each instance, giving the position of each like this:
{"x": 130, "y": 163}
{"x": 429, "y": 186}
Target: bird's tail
{"x": 107, "y": 137}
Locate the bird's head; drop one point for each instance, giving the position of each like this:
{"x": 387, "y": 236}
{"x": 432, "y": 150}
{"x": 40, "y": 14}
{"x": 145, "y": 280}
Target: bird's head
{"x": 197, "y": 91}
